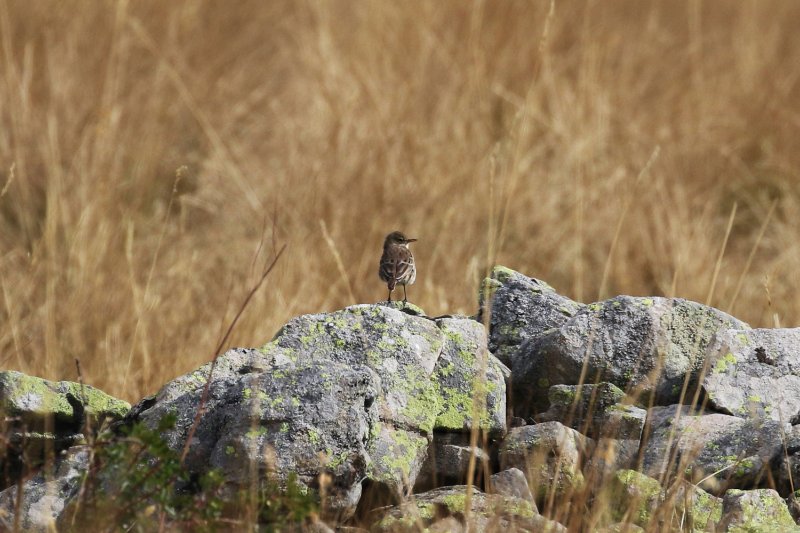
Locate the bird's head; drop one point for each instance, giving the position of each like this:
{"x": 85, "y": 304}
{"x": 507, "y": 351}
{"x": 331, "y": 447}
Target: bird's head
{"x": 397, "y": 237}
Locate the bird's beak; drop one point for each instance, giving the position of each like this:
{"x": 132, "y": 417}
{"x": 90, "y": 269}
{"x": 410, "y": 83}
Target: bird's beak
{"x": 411, "y": 240}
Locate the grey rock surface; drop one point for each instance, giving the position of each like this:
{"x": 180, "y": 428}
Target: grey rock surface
{"x": 487, "y": 512}
{"x": 755, "y": 373}
{"x": 40, "y": 417}
{"x": 45, "y": 495}
{"x": 520, "y": 308}
{"x": 512, "y": 482}
{"x": 447, "y": 462}
{"x": 463, "y": 355}
{"x": 356, "y": 393}
{"x": 611, "y": 455}
{"x": 594, "y": 410}
{"x": 718, "y": 450}
{"x": 643, "y": 345}
{"x": 633, "y": 497}
{"x": 755, "y": 510}
{"x": 550, "y": 454}
{"x": 38, "y": 403}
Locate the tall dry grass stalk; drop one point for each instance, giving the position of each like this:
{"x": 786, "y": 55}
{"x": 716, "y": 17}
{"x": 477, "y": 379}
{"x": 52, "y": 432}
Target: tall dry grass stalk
{"x": 333, "y": 122}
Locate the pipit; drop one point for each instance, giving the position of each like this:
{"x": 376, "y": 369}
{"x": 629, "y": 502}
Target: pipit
{"x": 397, "y": 263}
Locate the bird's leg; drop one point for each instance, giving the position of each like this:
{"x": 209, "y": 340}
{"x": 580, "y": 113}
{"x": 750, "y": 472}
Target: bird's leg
{"x": 405, "y": 298}
{"x": 390, "y": 296}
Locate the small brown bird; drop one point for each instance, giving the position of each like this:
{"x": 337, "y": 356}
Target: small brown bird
{"x": 397, "y": 263}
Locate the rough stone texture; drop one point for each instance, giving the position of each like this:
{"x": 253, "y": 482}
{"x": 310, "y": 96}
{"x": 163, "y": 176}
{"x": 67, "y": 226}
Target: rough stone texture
{"x": 594, "y": 410}
{"x": 38, "y": 402}
{"x": 447, "y": 462}
{"x": 41, "y": 417}
{"x": 634, "y": 497}
{"x": 512, "y": 482}
{"x": 521, "y": 308}
{"x": 755, "y": 510}
{"x": 755, "y": 373}
{"x": 793, "y": 503}
{"x": 550, "y": 454}
{"x": 785, "y": 467}
{"x": 463, "y": 354}
{"x": 642, "y": 345}
{"x": 45, "y": 496}
{"x": 611, "y": 455}
{"x": 738, "y": 450}
{"x": 694, "y": 508}
{"x": 355, "y": 393}
{"x": 312, "y": 417}
{"x": 488, "y": 512}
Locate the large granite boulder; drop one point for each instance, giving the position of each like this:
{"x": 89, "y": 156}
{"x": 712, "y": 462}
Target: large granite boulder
{"x": 645, "y": 346}
{"x": 550, "y": 454}
{"x": 755, "y": 372}
{"x": 356, "y": 394}
{"x": 487, "y": 512}
{"x": 520, "y": 308}
{"x": 715, "y": 450}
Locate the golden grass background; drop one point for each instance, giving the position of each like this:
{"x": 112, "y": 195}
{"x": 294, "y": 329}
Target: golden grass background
{"x": 493, "y": 131}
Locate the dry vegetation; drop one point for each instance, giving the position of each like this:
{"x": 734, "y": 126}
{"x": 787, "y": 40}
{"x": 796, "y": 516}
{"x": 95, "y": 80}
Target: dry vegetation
{"x": 487, "y": 129}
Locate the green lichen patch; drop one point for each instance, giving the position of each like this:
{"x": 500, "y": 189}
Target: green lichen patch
{"x": 466, "y": 395}
{"x": 35, "y": 399}
{"x": 756, "y": 510}
{"x": 396, "y": 453}
{"x": 723, "y": 363}
{"x": 635, "y": 496}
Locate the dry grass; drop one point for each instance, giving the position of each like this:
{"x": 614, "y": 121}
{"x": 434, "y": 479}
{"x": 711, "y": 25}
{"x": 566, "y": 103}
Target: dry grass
{"x": 454, "y": 121}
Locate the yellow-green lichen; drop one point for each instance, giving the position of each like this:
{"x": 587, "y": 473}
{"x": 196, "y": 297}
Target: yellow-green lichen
{"x": 401, "y": 454}
{"x": 723, "y": 362}
{"x": 502, "y": 274}
{"x": 455, "y": 502}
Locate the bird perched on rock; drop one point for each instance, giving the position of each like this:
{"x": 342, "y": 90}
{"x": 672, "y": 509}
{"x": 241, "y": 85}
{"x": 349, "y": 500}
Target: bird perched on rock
{"x": 397, "y": 263}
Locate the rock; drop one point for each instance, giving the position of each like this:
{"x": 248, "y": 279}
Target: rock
{"x": 755, "y": 373}
{"x": 611, "y": 455}
{"x": 463, "y": 354}
{"x": 634, "y": 497}
{"x": 520, "y": 308}
{"x": 305, "y": 417}
{"x": 642, "y": 345}
{"x": 447, "y": 462}
{"x": 356, "y": 394}
{"x": 755, "y": 510}
{"x": 721, "y": 450}
{"x": 550, "y": 454}
{"x": 793, "y": 503}
{"x": 512, "y": 482}
{"x": 43, "y": 405}
{"x": 694, "y": 508}
{"x": 488, "y": 512}
{"x": 595, "y": 411}
{"x": 42, "y": 417}
{"x": 46, "y": 494}
{"x": 785, "y": 466}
